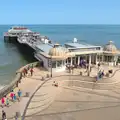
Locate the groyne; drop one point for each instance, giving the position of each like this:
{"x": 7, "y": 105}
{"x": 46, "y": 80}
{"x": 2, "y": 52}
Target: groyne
{"x": 7, "y": 89}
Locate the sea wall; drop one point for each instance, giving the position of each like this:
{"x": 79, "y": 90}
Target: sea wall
{"x": 16, "y": 81}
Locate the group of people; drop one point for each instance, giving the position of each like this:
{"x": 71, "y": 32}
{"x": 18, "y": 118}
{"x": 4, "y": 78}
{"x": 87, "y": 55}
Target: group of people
{"x": 5, "y": 100}
{"x": 27, "y": 69}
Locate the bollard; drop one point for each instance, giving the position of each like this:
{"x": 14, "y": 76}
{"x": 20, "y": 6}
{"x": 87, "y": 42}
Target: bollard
{"x": 81, "y": 73}
{"x": 47, "y": 76}
{"x": 43, "y": 78}
{"x": 17, "y": 115}
{"x": 107, "y": 74}
{"x": 27, "y": 94}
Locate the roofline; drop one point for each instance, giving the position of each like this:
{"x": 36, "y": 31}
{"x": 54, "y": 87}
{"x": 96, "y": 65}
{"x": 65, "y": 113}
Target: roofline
{"x": 73, "y": 47}
{"x": 85, "y": 47}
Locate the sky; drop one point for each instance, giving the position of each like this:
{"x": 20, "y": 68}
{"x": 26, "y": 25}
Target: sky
{"x": 59, "y": 11}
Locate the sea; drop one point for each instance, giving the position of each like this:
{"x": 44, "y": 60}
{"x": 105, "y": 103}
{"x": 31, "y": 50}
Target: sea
{"x": 12, "y": 58}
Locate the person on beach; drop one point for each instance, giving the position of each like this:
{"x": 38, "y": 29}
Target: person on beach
{"x": 3, "y": 115}
{"x": 102, "y": 74}
{"x": 19, "y": 94}
{"x": 3, "y": 102}
{"x": 31, "y": 71}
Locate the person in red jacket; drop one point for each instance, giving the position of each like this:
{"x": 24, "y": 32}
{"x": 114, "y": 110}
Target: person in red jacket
{"x": 3, "y": 101}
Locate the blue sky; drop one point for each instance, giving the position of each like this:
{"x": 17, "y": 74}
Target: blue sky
{"x": 60, "y": 12}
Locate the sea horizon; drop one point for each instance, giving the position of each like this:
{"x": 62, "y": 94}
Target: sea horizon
{"x": 57, "y": 24}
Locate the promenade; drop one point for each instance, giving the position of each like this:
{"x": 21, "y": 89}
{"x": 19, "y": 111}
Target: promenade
{"x": 74, "y": 102}
{"x": 28, "y": 84}
{"x": 74, "y": 98}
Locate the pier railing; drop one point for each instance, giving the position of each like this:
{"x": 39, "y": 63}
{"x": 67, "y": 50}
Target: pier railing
{"x": 7, "y": 89}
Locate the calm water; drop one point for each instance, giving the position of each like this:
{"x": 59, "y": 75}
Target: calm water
{"x": 11, "y": 58}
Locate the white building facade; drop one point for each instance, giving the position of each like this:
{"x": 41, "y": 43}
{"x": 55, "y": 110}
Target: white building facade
{"x": 57, "y": 57}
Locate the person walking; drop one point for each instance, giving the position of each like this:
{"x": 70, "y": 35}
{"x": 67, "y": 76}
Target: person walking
{"x": 24, "y": 73}
{"x": 19, "y": 94}
{"x": 12, "y": 95}
{"x": 3, "y": 102}
{"x": 28, "y": 67}
{"x": 3, "y": 115}
{"x": 32, "y": 66}
{"x": 31, "y": 71}
{"x": 7, "y": 102}
{"x": 98, "y": 65}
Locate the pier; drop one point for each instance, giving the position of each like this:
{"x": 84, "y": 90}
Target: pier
{"x": 25, "y": 38}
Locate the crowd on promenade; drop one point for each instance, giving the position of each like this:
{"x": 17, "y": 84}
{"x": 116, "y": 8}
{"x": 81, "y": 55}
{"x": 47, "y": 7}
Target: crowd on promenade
{"x": 28, "y": 69}
{"x": 11, "y": 97}
{"x": 15, "y": 96}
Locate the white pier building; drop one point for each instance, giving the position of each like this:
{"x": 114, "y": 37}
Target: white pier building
{"x": 73, "y": 52}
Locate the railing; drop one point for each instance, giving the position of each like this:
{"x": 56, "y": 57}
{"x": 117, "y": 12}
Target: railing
{"x": 7, "y": 89}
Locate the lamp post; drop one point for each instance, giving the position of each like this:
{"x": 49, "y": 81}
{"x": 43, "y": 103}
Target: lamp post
{"x": 51, "y": 65}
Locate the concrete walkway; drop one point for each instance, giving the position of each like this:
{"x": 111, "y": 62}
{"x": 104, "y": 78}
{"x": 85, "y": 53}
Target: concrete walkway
{"x": 28, "y": 84}
{"x": 75, "y": 103}
{"x": 43, "y": 104}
